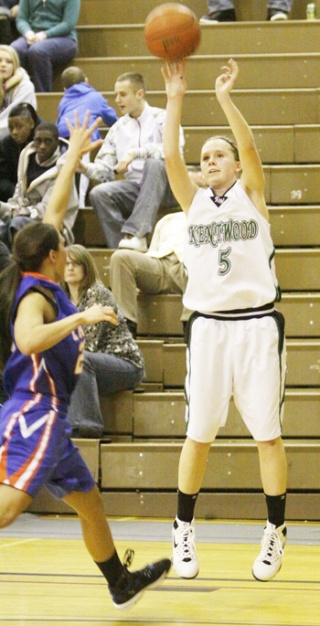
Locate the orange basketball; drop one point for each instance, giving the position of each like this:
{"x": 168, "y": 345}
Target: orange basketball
{"x": 172, "y": 31}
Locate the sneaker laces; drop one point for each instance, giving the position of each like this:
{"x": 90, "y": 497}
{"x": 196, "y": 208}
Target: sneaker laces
{"x": 128, "y": 558}
{"x": 272, "y": 546}
{"x": 135, "y": 578}
{"x": 185, "y": 546}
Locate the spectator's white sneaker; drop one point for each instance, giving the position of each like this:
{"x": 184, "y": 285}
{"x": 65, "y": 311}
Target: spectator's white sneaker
{"x": 269, "y": 561}
{"x": 184, "y": 557}
{"x": 205, "y": 19}
{"x": 278, "y": 16}
{"x": 134, "y": 243}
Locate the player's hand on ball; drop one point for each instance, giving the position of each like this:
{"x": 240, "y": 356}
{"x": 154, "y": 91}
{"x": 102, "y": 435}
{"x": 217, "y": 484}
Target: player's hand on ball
{"x": 174, "y": 76}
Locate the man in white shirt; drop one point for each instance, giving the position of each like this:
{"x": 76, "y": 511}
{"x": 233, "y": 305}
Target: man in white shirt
{"x": 160, "y": 270}
{"x": 132, "y": 149}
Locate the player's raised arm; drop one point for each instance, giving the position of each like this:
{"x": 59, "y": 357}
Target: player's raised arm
{"x": 252, "y": 177}
{"x": 183, "y": 188}
{"x": 79, "y": 144}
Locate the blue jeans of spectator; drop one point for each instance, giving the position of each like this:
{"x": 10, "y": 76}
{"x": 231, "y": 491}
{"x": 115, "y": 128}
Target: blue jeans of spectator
{"x": 40, "y": 58}
{"x": 102, "y": 373}
{"x": 126, "y": 206}
{"x": 224, "y": 5}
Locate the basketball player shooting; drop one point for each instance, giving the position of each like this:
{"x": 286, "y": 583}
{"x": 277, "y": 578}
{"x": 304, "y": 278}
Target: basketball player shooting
{"x": 236, "y": 344}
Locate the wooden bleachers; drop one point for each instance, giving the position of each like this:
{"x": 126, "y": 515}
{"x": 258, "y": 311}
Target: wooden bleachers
{"x": 287, "y": 71}
{"x": 126, "y": 40}
{"x": 298, "y": 269}
{"x": 278, "y": 91}
{"x": 160, "y": 315}
{"x": 95, "y": 12}
{"x": 268, "y": 107}
{"x": 292, "y": 226}
{"x": 165, "y": 362}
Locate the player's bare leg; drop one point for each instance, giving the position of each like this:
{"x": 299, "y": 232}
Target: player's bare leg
{"x": 192, "y": 466}
{"x": 125, "y": 587}
{"x": 273, "y": 468}
{"x": 12, "y": 503}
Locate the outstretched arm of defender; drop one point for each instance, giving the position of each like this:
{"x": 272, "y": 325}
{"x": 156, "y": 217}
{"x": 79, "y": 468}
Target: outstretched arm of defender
{"x": 79, "y": 144}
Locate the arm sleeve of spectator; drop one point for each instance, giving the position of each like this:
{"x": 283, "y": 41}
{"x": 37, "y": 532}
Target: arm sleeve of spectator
{"x": 97, "y": 294}
{"x": 42, "y": 205}
{"x": 102, "y": 170}
{"x": 68, "y": 22}
{"x": 24, "y": 92}
{"x": 155, "y": 150}
{"x": 22, "y": 19}
{"x": 107, "y": 113}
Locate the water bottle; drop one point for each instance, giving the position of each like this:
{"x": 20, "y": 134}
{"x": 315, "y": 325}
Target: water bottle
{"x": 311, "y": 11}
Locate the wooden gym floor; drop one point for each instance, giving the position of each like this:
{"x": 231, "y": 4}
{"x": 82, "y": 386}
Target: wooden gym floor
{"x": 47, "y": 577}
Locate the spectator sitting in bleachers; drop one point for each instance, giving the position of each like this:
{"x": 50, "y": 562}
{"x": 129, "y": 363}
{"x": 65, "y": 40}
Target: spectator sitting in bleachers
{"x": 160, "y": 270}
{"x": 15, "y": 86}
{"x": 22, "y": 122}
{"x": 112, "y": 359}
{"x": 223, "y": 11}
{"x": 37, "y": 171}
{"x": 127, "y": 209}
{"x": 81, "y": 97}
{"x": 48, "y": 37}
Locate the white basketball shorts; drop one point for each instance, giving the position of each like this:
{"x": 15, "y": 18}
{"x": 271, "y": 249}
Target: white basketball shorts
{"x": 243, "y": 358}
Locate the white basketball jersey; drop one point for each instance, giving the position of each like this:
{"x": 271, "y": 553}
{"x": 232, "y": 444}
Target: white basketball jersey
{"x": 228, "y": 254}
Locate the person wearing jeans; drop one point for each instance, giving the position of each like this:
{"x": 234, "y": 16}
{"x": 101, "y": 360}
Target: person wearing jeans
{"x": 48, "y": 38}
{"x": 132, "y": 205}
{"x": 133, "y": 150}
{"x": 112, "y": 360}
{"x": 223, "y": 11}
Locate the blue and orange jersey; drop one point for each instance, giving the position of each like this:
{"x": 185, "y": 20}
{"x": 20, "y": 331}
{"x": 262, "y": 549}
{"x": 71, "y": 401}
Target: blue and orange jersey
{"x": 54, "y": 372}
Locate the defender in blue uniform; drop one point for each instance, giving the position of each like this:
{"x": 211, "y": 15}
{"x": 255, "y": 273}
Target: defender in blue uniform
{"x": 36, "y": 447}
{"x": 41, "y": 346}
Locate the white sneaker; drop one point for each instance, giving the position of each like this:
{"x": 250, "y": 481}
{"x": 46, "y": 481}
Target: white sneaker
{"x": 184, "y": 558}
{"x": 207, "y": 20}
{"x": 134, "y": 243}
{"x": 279, "y": 16}
{"x": 269, "y": 561}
